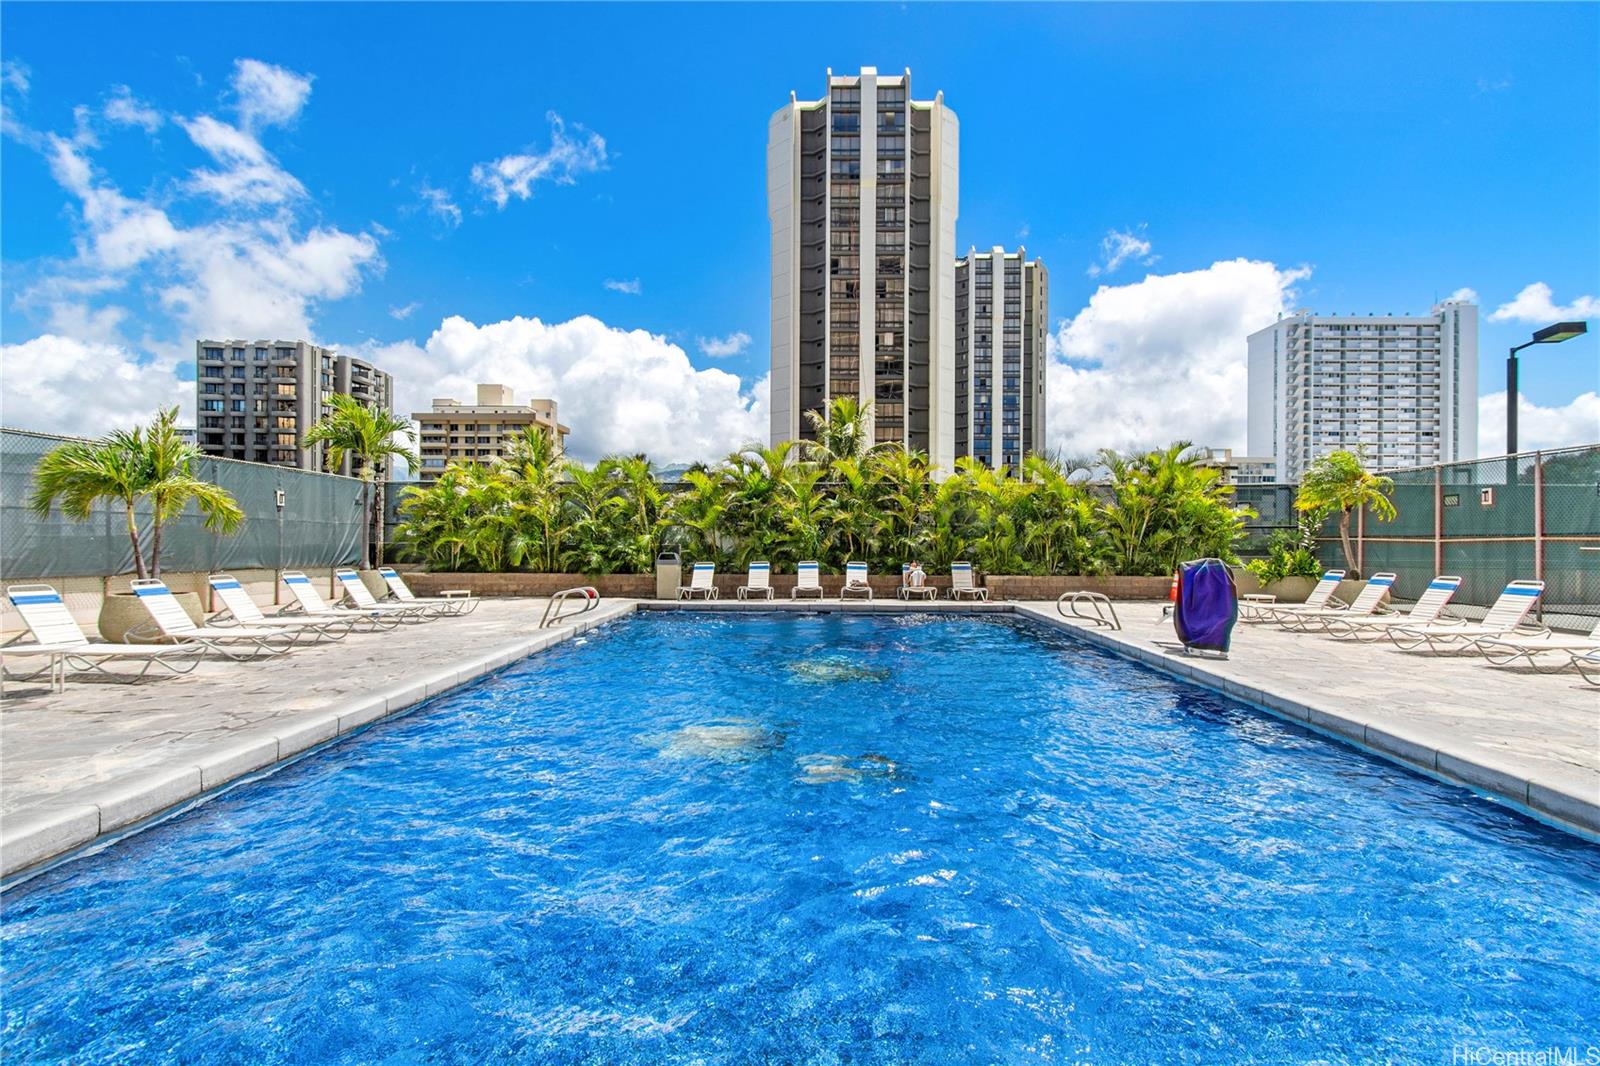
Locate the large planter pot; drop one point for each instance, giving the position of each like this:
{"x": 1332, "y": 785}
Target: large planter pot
{"x": 375, "y": 583}
{"x": 122, "y": 611}
{"x": 1291, "y": 589}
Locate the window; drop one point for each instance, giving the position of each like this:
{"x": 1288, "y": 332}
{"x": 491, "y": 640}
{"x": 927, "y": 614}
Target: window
{"x": 213, "y": 353}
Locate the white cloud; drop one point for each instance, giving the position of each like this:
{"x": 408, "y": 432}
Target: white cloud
{"x": 568, "y": 156}
{"x": 400, "y": 314}
{"x": 64, "y": 385}
{"x": 724, "y": 347}
{"x": 631, "y": 286}
{"x": 125, "y": 109}
{"x": 1535, "y": 304}
{"x": 1162, "y": 359}
{"x": 248, "y": 175}
{"x": 16, "y": 74}
{"x": 1118, "y": 247}
{"x": 440, "y": 205}
{"x": 1577, "y": 422}
{"x": 1464, "y": 295}
{"x": 621, "y": 391}
{"x": 268, "y": 95}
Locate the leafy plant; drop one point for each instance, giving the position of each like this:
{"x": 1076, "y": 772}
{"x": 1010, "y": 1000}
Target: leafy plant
{"x": 1339, "y": 484}
{"x": 370, "y": 436}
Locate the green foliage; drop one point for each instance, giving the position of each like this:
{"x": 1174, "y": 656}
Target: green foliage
{"x": 1290, "y": 553}
{"x": 1338, "y": 483}
{"x": 370, "y": 436}
{"x": 831, "y": 500}
{"x": 151, "y": 463}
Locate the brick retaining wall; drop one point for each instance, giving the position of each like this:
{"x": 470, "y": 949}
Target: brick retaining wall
{"x": 1025, "y": 587}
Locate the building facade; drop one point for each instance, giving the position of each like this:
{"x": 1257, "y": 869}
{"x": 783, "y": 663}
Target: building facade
{"x": 454, "y": 432}
{"x": 862, "y": 195}
{"x": 1403, "y": 389}
{"x": 1238, "y": 469}
{"x": 257, "y": 399}
{"x": 1002, "y": 316}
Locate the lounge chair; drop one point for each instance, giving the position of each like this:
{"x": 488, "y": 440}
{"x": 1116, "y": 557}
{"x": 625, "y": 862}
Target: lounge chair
{"x": 170, "y": 624}
{"x": 361, "y": 597}
{"x": 1363, "y": 606}
{"x": 807, "y": 579}
{"x": 1565, "y": 648}
{"x": 962, "y": 585}
{"x": 462, "y": 602}
{"x": 1430, "y": 607}
{"x": 908, "y": 591}
{"x": 702, "y": 583}
{"x": 1507, "y": 617}
{"x": 239, "y": 609}
{"x": 1589, "y": 666}
{"x": 58, "y": 638}
{"x": 1321, "y": 596}
{"x": 759, "y": 582}
{"x": 855, "y": 581}
{"x": 310, "y": 601}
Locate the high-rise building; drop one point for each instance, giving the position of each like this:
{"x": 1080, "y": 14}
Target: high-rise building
{"x": 1402, "y": 388}
{"x": 862, "y": 193}
{"x": 257, "y": 399}
{"x": 1002, "y": 316}
{"x": 455, "y": 432}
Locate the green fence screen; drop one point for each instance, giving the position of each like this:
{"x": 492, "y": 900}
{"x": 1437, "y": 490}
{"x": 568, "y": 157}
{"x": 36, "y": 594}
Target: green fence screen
{"x": 321, "y": 522}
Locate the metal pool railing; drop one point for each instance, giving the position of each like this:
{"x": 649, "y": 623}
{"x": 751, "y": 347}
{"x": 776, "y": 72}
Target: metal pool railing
{"x": 555, "y": 610}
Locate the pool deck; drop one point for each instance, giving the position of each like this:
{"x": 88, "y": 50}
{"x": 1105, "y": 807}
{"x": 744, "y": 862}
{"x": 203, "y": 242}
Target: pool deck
{"x": 100, "y": 759}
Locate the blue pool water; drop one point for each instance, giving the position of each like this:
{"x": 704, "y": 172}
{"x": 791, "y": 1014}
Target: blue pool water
{"x": 942, "y": 840}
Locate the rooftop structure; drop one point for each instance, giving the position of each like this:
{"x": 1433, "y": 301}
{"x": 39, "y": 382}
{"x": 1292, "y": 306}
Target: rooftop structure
{"x": 454, "y": 432}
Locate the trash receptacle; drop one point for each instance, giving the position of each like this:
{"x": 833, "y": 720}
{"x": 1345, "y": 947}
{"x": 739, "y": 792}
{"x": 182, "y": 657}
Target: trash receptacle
{"x": 669, "y": 575}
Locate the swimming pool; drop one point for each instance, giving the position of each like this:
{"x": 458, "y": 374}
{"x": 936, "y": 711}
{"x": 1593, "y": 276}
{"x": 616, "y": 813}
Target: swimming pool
{"x": 736, "y": 838}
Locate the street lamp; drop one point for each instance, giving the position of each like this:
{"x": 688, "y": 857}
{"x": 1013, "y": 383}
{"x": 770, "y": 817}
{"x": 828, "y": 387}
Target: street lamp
{"x": 1561, "y": 331}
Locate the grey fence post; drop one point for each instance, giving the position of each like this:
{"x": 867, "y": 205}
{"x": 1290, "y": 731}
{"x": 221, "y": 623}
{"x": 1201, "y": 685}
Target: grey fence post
{"x": 1538, "y": 516}
{"x": 1361, "y": 541}
{"x": 1438, "y": 518}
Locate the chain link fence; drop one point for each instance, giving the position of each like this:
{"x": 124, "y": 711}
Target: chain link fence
{"x": 320, "y": 522}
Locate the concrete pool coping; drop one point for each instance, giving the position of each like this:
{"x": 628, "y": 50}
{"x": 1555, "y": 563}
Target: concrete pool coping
{"x": 38, "y": 835}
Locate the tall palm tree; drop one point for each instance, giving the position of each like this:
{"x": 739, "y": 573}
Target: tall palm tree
{"x": 125, "y": 467}
{"x": 1338, "y": 482}
{"x": 367, "y": 434}
{"x": 841, "y": 431}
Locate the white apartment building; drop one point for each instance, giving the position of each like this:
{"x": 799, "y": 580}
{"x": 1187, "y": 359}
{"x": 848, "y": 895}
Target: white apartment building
{"x": 1238, "y": 469}
{"x": 455, "y": 432}
{"x": 1002, "y": 317}
{"x": 862, "y": 194}
{"x": 1403, "y": 388}
{"x": 255, "y": 400}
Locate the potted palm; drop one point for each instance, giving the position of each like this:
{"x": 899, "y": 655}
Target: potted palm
{"x": 1338, "y": 483}
{"x": 366, "y": 433}
{"x": 149, "y": 465}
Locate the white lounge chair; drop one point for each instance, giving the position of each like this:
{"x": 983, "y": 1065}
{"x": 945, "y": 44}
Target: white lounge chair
{"x": 58, "y": 638}
{"x": 309, "y": 600}
{"x": 240, "y": 609}
{"x": 962, "y": 585}
{"x": 908, "y": 591}
{"x": 1507, "y": 617}
{"x": 459, "y": 602}
{"x": 1321, "y": 596}
{"x": 361, "y": 597}
{"x": 759, "y": 582}
{"x": 702, "y": 583}
{"x": 171, "y": 624}
{"x": 1589, "y": 666}
{"x": 807, "y": 579}
{"x": 1363, "y": 606}
{"x": 855, "y": 581}
{"x": 1430, "y": 607}
{"x": 1564, "y": 648}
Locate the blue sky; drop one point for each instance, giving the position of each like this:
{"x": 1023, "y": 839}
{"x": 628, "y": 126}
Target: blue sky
{"x": 1355, "y": 158}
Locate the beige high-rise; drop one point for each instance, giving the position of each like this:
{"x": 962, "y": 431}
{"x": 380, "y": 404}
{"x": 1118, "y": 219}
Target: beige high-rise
{"x": 454, "y": 432}
{"x": 1002, "y": 319}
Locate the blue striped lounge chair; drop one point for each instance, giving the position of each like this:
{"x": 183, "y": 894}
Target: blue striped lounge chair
{"x": 170, "y": 624}
{"x": 757, "y": 583}
{"x": 702, "y": 583}
{"x": 1322, "y": 595}
{"x": 1364, "y": 605}
{"x": 807, "y": 580}
{"x": 58, "y": 639}
{"x": 962, "y": 584}
{"x": 238, "y": 609}
{"x": 1507, "y": 617}
{"x": 460, "y": 602}
{"x": 855, "y": 581}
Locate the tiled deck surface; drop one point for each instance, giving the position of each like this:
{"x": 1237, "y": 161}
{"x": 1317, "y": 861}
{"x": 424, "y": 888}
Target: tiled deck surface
{"x": 101, "y": 757}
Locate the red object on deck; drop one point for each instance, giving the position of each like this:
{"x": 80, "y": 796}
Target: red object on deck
{"x": 1172, "y": 592}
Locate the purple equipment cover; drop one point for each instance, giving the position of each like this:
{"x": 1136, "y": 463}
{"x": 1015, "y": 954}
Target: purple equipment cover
{"x": 1208, "y": 605}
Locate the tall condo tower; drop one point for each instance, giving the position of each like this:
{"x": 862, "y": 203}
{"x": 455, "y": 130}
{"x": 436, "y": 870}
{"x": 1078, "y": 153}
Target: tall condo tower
{"x": 1002, "y": 314}
{"x": 1403, "y": 388}
{"x": 862, "y": 194}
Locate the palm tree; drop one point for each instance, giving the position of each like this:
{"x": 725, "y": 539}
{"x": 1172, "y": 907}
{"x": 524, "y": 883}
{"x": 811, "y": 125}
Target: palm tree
{"x": 1338, "y": 482}
{"x": 841, "y": 431}
{"x": 366, "y": 433}
{"x": 125, "y": 467}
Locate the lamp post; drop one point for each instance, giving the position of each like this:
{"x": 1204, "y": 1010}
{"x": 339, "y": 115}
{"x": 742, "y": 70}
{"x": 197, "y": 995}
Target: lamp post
{"x": 1561, "y": 331}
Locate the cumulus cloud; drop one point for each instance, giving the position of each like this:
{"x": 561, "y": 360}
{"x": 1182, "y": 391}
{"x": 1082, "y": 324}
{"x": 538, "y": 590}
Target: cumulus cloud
{"x": 400, "y": 314}
{"x": 569, "y": 155}
{"x": 1118, "y": 247}
{"x": 440, "y": 206}
{"x": 268, "y": 95}
{"x": 1577, "y": 422}
{"x": 621, "y": 391}
{"x": 125, "y": 109}
{"x": 1162, "y": 359}
{"x": 724, "y": 347}
{"x": 1465, "y": 295}
{"x": 65, "y": 385}
{"x": 1536, "y": 304}
{"x": 16, "y": 74}
{"x": 631, "y": 286}
{"x": 248, "y": 173}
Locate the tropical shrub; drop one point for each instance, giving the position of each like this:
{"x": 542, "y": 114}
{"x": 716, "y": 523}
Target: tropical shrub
{"x": 1339, "y": 484}
{"x": 833, "y": 499}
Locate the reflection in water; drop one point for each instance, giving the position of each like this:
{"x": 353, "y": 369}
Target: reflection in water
{"x": 721, "y": 740}
{"x": 830, "y": 669}
{"x": 821, "y": 769}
